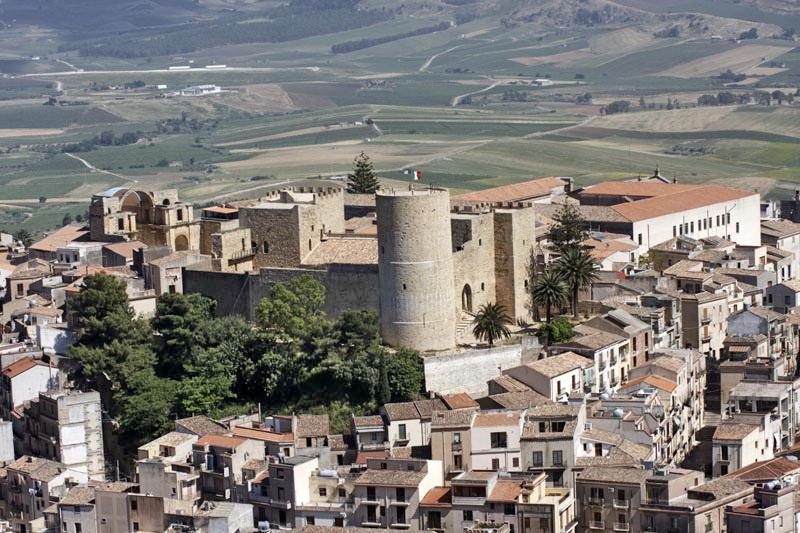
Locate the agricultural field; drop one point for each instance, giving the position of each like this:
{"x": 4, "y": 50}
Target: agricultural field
{"x": 473, "y": 95}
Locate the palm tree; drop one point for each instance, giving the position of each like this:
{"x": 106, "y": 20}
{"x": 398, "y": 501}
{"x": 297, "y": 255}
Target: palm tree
{"x": 577, "y": 269}
{"x": 490, "y": 323}
{"x": 549, "y": 291}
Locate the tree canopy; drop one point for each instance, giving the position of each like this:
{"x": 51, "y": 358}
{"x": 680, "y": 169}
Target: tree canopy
{"x": 363, "y": 179}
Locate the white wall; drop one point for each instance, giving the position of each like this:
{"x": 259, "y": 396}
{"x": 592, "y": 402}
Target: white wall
{"x": 746, "y": 211}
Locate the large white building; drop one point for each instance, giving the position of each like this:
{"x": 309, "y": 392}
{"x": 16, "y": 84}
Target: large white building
{"x": 652, "y": 212}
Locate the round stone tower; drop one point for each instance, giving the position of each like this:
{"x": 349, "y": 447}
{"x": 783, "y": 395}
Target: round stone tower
{"x": 415, "y": 264}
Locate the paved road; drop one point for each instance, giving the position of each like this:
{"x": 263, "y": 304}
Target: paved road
{"x": 93, "y": 168}
{"x": 164, "y": 71}
{"x": 431, "y": 59}
{"x": 457, "y": 99}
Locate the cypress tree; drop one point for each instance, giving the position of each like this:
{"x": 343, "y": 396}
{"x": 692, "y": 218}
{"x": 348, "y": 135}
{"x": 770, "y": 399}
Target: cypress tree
{"x": 363, "y": 179}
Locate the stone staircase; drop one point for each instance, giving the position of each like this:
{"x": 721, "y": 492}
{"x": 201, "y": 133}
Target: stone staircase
{"x": 464, "y": 329}
{"x": 700, "y": 456}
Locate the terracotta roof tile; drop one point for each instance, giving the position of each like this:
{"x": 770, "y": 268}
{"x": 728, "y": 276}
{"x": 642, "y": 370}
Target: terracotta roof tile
{"x": 23, "y": 365}
{"x": 505, "y": 492}
{"x": 222, "y": 441}
{"x": 734, "y": 431}
{"x": 61, "y": 237}
{"x": 459, "y": 401}
{"x": 514, "y": 192}
{"x": 437, "y": 497}
{"x": 262, "y": 435}
{"x": 655, "y": 381}
{"x": 312, "y": 426}
{"x": 200, "y": 425}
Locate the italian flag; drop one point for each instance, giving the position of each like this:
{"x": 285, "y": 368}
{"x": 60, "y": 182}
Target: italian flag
{"x": 417, "y": 175}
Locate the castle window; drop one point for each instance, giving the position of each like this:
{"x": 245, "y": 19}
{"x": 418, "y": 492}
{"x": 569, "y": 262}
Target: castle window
{"x": 480, "y": 242}
{"x": 120, "y": 224}
{"x": 180, "y": 214}
{"x": 483, "y": 286}
{"x": 265, "y": 247}
{"x": 404, "y": 286}
{"x": 383, "y": 250}
{"x": 309, "y": 245}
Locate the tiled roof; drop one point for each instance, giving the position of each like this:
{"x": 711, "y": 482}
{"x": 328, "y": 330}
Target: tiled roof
{"x": 222, "y": 441}
{"x": 668, "y": 362}
{"x": 262, "y": 435}
{"x": 779, "y": 228}
{"x": 613, "y": 474}
{"x": 61, "y": 237}
{"x": 459, "y": 401}
{"x": 200, "y": 425}
{"x": 495, "y": 419}
{"x": 722, "y": 487}
{"x": 562, "y": 363}
{"x": 459, "y": 418}
{"x": 734, "y": 431}
{"x": 510, "y": 384}
{"x": 425, "y": 408}
{"x": 78, "y": 496}
{"x": 125, "y": 248}
{"x": 361, "y": 458}
{"x": 401, "y": 411}
{"x": 350, "y": 251}
{"x": 514, "y": 192}
{"x": 593, "y": 340}
{"x": 505, "y": 492}
{"x": 38, "y": 468}
{"x": 519, "y": 400}
{"x": 390, "y": 478}
{"x": 677, "y": 201}
{"x": 23, "y": 365}
{"x": 766, "y": 470}
{"x": 368, "y": 421}
{"x": 312, "y": 426}
{"x": 656, "y": 381}
{"x": 437, "y": 497}
{"x": 647, "y": 189}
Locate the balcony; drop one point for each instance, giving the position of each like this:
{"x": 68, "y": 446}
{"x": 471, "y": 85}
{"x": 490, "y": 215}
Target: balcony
{"x": 476, "y": 501}
{"x": 243, "y": 254}
{"x": 225, "y": 472}
{"x": 403, "y": 525}
{"x": 398, "y": 503}
{"x": 705, "y": 338}
{"x": 457, "y": 446}
{"x": 709, "y": 527}
{"x": 705, "y": 320}
{"x": 602, "y": 366}
{"x": 370, "y": 522}
{"x": 621, "y": 504}
{"x": 596, "y": 501}
{"x": 597, "y": 525}
{"x": 622, "y": 526}
{"x": 279, "y": 504}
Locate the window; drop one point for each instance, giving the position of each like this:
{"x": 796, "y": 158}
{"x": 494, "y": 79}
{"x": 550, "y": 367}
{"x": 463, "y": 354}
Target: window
{"x": 179, "y": 212}
{"x": 120, "y": 224}
{"x": 371, "y": 494}
{"x": 621, "y": 495}
{"x": 509, "y": 509}
{"x": 515, "y": 462}
{"x": 728, "y": 216}
{"x": 401, "y": 515}
{"x": 737, "y": 227}
{"x": 434, "y": 520}
{"x": 596, "y": 493}
{"x": 134, "y": 505}
{"x": 467, "y": 516}
{"x": 537, "y": 459}
{"x": 499, "y": 439}
{"x": 640, "y": 238}
{"x": 558, "y": 457}
{"x": 265, "y": 248}
{"x": 495, "y": 464}
{"x": 338, "y": 521}
{"x": 674, "y": 231}
{"x": 456, "y": 438}
{"x": 691, "y": 226}
{"x": 323, "y": 491}
{"x": 400, "y": 494}
{"x": 136, "y": 526}
{"x": 557, "y": 427}
{"x": 342, "y": 493}
{"x": 310, "y": 520}
{"x": 542, "y": 427}
{"x": 402, "y": 432}
{"x": 457, "y": 462}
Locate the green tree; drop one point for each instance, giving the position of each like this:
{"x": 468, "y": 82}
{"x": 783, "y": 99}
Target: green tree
{"x": 363, "y": 179}
{"x": 549, "y": 291}
{"x": 66, "y": 220}
{"x": 568, "y": 229}
{"x": 144, "y": 407}
{"x": 24, "y": 237}
{"x": 101, "y": 311}
{"x": 181, "y": 322}
{"x": 384, "y": 393}
{"x": 577, "y": 270}
{"x": 406, "y": 373}
{"x": 491, "y": 323}
{"x": 294, "y": 308}
{"x": 559, "y": 330}
{"x": 207, "y": 386}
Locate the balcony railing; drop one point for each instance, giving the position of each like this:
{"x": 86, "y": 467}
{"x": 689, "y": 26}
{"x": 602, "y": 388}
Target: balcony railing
{"x": 596, "y": 501}
{"x": 457, "y": 446}
{"x": 597, "y": 525}
{"x": 622, "y": 504}
{"x": 622, "y": 526}
{"x": 241, "y": 254}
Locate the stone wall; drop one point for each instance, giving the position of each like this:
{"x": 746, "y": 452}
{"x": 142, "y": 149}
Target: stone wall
{"x": 514, "y": 238}
{"x": 471, "y": 370}
{"x": 473, "y": 262}
{"x": 416, "y": 269}
{"x": 347, "y": 287}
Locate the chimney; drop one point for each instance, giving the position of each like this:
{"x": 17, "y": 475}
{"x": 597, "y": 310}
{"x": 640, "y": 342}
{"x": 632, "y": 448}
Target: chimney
{"x": 675, "y": 180}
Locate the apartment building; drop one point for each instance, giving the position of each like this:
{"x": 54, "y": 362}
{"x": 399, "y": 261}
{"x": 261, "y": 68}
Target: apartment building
{"x": 22, "y": 381}
{"x": 408, "y": 424}
{"x": 556, "y": 376}
{"x": 451, "y": 441}
{"x": 495, "y": 440}
{"x": 66, "y": 426}
{"x": 621, "y": 322}
{"x": 388, "y": 493}
{"x": 704, "y": 322}
{"x": 369, "y": 432}
{"x": 32, "y": 484}
{"x": 164, "y": 467}
{"x": 610, "y": 353}
{"x": 741, "y": 442}
{"x": 774, "y": 508}
{"x": 550, "y": 443}
{"x": 610, "y": 498}
{"x": 773, "y": 399}
{"x": 783, "y": 297}
{"x": 785, "y": 236}
{"x": 220, "y": 459}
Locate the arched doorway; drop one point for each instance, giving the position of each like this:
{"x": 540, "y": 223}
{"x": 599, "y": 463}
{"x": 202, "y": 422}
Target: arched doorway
{"x": 181, "y": 243}
{"x": 466, "y": 298}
